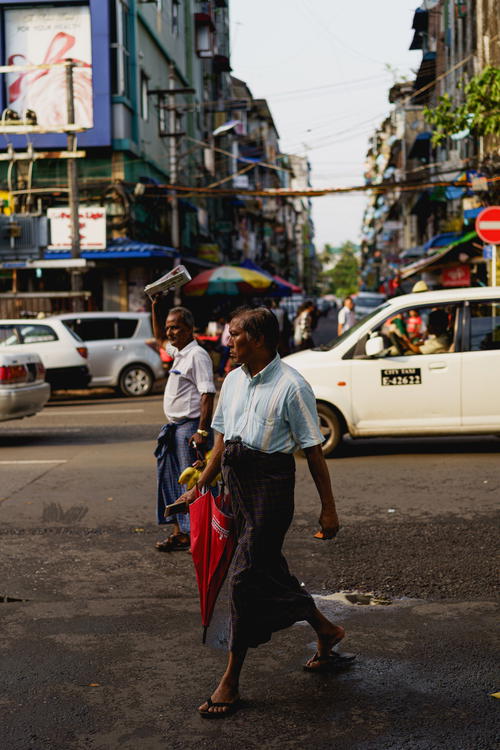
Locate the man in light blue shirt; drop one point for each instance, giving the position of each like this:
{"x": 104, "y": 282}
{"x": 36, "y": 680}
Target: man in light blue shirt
{"x": 266, "y": 412}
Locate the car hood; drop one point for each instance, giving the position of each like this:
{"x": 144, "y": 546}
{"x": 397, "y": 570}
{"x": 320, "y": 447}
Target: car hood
{"x": 300, "y": 358}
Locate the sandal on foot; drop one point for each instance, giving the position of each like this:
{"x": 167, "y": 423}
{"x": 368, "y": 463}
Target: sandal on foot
{"x": 173, "y": 544}
{"x": 329, "y": 663}
{"x": 231, "y": 708}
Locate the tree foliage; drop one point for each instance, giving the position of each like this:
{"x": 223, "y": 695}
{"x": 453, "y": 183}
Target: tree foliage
{"x": 343, "y": 278}
{"x": 479, "y": 113}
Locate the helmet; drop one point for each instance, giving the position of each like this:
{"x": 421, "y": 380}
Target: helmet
{"x": 420, "y": 286}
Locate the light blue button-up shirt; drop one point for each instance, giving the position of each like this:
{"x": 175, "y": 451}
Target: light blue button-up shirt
{"x": 273, "y": 411}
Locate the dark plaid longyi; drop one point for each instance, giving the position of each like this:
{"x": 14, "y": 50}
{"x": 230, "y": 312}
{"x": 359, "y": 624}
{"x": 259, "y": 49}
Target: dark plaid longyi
{"x": 265, "y": 597}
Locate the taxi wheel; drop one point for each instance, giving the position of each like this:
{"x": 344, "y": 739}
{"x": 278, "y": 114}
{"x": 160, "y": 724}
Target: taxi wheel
{"x": 136, "y": 380}
{"x": 329, "y": 424}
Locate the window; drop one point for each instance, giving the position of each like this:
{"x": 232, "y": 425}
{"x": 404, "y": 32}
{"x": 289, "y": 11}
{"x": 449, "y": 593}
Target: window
{"x": 120, "y": 48}
{"x": 126, "y": 327}
{"x": 430, "y": 330}
{"x": 9, "y": 335}
{"x": 175, "y": 17}
{"x": 93, "y": 329}
{"x": 34, "y": 334}
{"x": 484, "y": 326}
{"x": 144, "y": 96}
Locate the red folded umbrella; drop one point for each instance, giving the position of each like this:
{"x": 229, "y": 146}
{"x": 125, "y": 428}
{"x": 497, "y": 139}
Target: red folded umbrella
{"x": 212, "y": 546}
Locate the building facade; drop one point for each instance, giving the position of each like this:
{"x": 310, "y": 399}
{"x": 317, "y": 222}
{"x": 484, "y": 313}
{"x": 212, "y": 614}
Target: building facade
{"x": 414, "y": 226}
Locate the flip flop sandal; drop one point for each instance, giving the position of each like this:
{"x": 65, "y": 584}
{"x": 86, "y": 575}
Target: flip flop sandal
{"x": 172, "y": 544}
{"x": 331, "y": 663}
{"x": 231, "y": 708}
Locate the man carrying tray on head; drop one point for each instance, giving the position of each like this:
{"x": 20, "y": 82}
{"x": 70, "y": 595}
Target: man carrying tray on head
{"x": 188, "y": 405}
{"x": 265, "y": 413}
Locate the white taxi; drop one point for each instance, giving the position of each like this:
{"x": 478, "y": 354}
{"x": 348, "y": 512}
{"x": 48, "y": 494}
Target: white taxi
{"x": 420, "y": 364}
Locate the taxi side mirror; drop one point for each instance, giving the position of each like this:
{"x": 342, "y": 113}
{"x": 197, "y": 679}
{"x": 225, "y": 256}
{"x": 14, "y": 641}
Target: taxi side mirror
{"x": 374, "y": 346}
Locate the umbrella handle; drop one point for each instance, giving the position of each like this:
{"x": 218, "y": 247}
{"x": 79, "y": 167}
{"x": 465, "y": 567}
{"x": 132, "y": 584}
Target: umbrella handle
{"x": 204, "y": 636}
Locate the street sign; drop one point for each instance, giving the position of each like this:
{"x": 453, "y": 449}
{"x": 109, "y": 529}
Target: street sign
{"x": 488, "y": 225}
{"x": 488, "y": 252}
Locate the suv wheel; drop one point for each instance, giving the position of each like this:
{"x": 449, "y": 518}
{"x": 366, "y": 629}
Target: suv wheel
{"x": 136, "y": 380}
{"x": 329, "y": 425}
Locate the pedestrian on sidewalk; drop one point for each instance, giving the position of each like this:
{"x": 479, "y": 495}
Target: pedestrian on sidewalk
{"x": 303, "y": 326}
{"x": 265, "y": 413}
{"x": 346, "y": 317}
{"x": 188, "y": 405}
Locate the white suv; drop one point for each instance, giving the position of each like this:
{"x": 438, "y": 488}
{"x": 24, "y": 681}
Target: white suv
{"x": 122, "y": 349}
{"x": 63, "y": 353}
{"x": 369, "y": 383}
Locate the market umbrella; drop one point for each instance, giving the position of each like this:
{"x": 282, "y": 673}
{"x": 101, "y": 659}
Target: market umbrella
{"x": 281, "y": 288}
{"x": 228, "y": 280}
{"x": 294, "y": 289}
{"x": 212, "y": 547}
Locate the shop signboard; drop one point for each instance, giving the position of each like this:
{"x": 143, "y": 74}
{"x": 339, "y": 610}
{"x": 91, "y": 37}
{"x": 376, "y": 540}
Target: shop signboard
{"x": 455, "y": 276}
{"x": 43, "y": 36}
{"x": 92, "y": 221}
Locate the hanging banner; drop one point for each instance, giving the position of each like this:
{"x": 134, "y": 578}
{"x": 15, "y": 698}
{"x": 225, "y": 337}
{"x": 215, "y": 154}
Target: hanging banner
{"x": 40, "y": 35}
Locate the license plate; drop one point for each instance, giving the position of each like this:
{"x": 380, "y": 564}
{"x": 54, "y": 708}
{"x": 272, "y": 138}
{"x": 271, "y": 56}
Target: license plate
{"x": 402, "y": 376}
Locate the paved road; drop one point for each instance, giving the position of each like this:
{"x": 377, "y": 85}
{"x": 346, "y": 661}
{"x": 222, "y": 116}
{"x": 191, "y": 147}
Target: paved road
{"x": 104, "y": 652}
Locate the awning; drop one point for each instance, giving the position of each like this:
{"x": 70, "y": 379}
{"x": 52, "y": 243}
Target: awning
{"x": 418, "y": 41}
{"x": 413, "y": 252}
{"x": 421, "y": 146}
{"x": 449, "y": 253}
{"x": 122, "y": 247}
{"x": 425, "y": 75}
{"x": 443, "y": 240}
{"x": 193, "y": 261}
{"x": 420, "y": 20}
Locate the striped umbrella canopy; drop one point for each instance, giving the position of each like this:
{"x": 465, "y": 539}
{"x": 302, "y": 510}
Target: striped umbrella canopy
{"x": 228, "y": 280}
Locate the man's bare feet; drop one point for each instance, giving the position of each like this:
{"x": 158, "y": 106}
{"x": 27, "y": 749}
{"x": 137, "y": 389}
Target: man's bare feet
{"x": 328, "y": 637}
{"x": 224, "y": 693}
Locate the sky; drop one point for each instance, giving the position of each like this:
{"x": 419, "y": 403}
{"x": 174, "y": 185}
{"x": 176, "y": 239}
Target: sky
{"x": 325, "y": 67}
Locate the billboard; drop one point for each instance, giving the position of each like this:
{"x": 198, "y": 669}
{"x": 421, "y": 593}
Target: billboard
{"x": 92, "y": 221}
{"x": 47, "y": 36}
{"x": 47, "y": 31}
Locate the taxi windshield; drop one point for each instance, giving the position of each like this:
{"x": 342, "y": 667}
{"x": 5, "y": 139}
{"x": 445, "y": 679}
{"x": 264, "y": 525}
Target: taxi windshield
{"x": 335, "y": 342}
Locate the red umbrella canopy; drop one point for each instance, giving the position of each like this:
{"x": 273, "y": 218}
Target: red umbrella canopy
{"x": 293, "y": 287}
{"x": 212, "y": 547}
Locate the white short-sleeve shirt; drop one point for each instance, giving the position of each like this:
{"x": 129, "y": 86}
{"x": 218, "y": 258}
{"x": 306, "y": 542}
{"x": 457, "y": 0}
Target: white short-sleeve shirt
{"x": 273, "y": 411}
{"x": 191, "y": 375}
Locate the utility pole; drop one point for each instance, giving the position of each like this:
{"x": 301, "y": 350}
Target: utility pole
{"x": 75, "y": 275}
{"x": 174, "y": 199}
{"x": 71, "y": 167}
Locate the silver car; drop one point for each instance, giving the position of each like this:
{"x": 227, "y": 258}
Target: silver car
{"x": 23, "y": 390}
{"x": 121, "y": 349}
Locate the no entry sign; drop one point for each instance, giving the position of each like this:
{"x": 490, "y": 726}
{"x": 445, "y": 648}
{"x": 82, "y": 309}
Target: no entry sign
{"x": 488, "y": 225}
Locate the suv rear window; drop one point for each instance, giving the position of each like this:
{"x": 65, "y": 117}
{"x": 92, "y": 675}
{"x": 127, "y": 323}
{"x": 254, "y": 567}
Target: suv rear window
{"x": 126, "y": 327}
{"x": 37, "y": 334}
{"x": 93, "y": 329}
